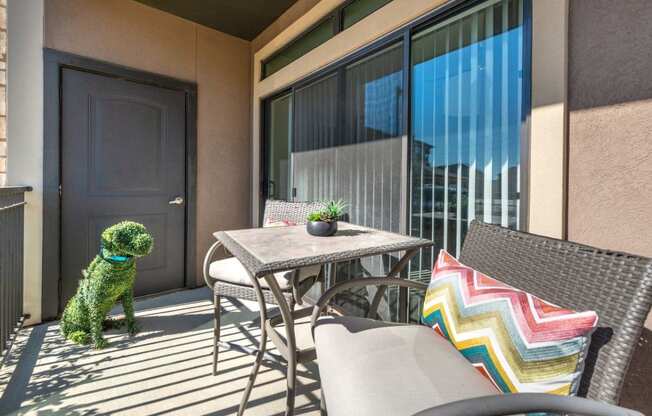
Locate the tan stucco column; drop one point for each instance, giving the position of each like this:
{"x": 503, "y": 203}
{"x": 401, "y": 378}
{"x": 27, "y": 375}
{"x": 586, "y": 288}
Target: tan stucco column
{"x": 548, "y": 118}
{"x": 25, "y": 133}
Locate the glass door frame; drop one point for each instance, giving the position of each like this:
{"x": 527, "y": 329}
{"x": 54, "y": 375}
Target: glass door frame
{"x": 263, "y": 188}
{"x": 404, "y": 35}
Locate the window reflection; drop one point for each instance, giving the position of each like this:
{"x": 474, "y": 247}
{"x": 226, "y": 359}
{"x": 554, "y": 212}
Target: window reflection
{"x": 467, "y": 109}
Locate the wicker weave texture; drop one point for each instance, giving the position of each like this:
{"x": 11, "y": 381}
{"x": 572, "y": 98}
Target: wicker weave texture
{"x": 617, "y": 286}
{"x": 247, "y": 292}
{"x": 297, "y": 212}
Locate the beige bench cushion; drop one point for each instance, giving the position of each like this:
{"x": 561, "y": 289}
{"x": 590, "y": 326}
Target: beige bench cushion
{"x": 375, "y": 368}
{"x": 232, "y": 271}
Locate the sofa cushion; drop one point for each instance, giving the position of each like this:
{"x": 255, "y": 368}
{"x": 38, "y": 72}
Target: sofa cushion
{"x": 232, "y": 271}
{"x": 376, "y": 368}
{"x": 518, "y": 341}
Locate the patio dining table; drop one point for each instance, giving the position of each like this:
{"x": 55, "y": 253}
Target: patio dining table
{"x": 265, "y": 251}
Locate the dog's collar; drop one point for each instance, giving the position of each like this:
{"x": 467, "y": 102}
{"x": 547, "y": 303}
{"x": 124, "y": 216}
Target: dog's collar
{"x": 114, "y": 259}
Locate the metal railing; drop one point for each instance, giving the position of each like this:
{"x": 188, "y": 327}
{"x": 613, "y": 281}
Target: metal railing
{"x": 12, "y": 202}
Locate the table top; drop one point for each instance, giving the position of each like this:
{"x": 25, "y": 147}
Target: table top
{"x": 274, "y": 249}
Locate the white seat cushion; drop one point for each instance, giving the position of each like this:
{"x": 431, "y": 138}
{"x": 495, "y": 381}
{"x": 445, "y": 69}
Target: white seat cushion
{"x": 371, "y": 368}
{"x": 232, "y": 271}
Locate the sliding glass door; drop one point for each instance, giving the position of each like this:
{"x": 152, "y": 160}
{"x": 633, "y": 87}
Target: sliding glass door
{"x": 453, "y": 157}
{"x": 466, "y": 126}
{"x": 347, "y": 145}
{"x": 347, "y": 140}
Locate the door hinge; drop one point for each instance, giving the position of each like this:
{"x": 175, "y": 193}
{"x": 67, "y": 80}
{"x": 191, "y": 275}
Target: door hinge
{"x": 60, "y": 191}
{"x": 294, "y": 192}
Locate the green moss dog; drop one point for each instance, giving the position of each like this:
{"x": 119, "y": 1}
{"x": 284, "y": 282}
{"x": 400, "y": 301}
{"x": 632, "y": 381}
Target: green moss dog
{"x": 109, "y": 278}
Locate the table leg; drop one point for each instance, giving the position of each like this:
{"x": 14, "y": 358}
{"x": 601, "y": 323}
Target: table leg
{"x": 380, "y": 292}
{"x": 288, "y": 321}
{"x": 262, "y": 346}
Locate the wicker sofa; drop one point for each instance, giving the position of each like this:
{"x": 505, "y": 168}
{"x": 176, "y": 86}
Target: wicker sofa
{"x": 376, "y": 368}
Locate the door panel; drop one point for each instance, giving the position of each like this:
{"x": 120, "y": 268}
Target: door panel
{"x": 123, "y": 158}
{"x": 116, "y": 147}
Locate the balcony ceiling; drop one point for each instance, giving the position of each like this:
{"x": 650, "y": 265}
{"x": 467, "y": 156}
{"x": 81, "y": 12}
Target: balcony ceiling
{"x": 242, "y": 18}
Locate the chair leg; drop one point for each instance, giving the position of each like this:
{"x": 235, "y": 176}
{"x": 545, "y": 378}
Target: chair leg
{"x": 216, "y": 330}
{"x": 254, "y": 370}
{"x": 291, "y": 385}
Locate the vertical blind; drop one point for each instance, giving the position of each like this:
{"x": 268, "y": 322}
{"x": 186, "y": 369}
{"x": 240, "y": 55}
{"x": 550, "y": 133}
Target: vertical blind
{"x": 467, "y": 112}
{"x": 372, "y": 133}
{"x": 347, "y": 145}
{"x": 314, "y": 149}
{"x": 347, "y": 141}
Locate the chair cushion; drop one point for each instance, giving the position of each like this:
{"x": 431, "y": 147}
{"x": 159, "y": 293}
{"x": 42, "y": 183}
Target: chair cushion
{"x": 518, "y": 341}
{"x": 376, "y": 368}
{"x": 232, "y": 271}
{"x": 282, "y": 223}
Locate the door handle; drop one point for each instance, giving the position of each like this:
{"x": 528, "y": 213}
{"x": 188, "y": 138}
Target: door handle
{"x": 176, "y": 201}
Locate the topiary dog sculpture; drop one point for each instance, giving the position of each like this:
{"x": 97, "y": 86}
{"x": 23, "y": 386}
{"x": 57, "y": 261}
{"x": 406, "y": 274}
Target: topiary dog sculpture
{"x": 110, "y": 277}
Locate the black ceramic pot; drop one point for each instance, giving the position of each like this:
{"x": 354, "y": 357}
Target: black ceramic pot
{"x": 321, "y": 228}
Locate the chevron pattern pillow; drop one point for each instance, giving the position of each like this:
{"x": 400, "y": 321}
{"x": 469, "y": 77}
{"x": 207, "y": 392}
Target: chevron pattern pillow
{"x": 518, "y": 341}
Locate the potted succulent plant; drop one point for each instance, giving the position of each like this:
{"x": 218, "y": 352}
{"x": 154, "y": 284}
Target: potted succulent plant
{"x": 323, "y": 223}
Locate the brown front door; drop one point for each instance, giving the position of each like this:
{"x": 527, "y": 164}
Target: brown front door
{"x": 122, "y": 158}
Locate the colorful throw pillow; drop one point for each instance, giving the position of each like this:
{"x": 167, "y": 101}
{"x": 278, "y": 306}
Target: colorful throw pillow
{"x": 281, "y": 223}
{"x": 518, "y": 341}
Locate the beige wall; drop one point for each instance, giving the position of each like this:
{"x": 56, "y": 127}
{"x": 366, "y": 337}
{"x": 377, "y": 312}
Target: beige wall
{"x": 131, "y": 34}
{"x": 610, "y": 144}
{"x": 546, "y": 205}
{"x": 610, "y": 125}
{"x": 25, "y": 128}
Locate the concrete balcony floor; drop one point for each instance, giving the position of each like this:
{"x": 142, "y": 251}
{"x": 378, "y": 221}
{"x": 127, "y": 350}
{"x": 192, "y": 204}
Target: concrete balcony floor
{"x": 164, "y": 369}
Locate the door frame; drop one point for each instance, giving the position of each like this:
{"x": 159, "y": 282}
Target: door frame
{"x": 54, "y": 62}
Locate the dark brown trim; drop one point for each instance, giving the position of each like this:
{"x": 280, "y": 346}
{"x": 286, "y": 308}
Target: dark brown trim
{"x": 54, "y": 62}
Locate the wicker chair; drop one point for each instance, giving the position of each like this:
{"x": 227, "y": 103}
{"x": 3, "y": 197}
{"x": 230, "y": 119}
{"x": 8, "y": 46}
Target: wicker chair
{"x": 617, "y": 286}
{"x": 229, "y": 278}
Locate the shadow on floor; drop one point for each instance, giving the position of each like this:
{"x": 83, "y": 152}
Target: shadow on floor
{"x": 164, "y": 369}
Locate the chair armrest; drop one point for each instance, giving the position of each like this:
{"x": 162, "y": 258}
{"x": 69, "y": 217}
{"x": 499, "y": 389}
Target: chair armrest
{"x": 520, "y": 403}
{"x": 360, "y": 282}
{"x": 207, "y": 263}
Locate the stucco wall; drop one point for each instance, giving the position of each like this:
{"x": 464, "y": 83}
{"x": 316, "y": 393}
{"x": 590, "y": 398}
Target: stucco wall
{"x": 610, "y": 124}
{"x": 131, "y": 34}
{"x": 25, "y": 130}
{"x": 548, "y": 118}
{"x": 610, "y": 143}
